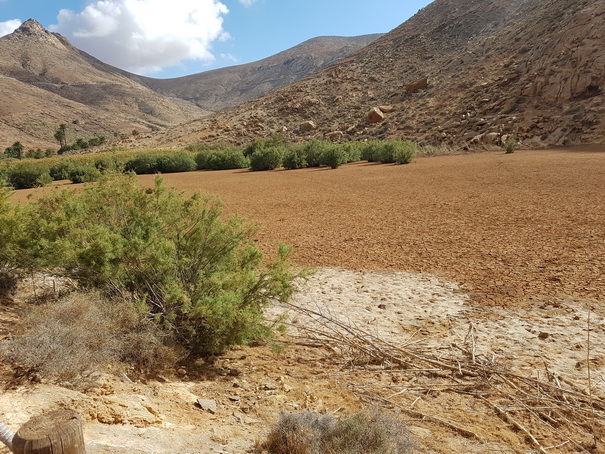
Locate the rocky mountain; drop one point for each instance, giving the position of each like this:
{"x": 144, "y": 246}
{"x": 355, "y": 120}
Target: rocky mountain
{"x": 459, "y": 71}
{"x": 227, "y": 87}
{"x": 45, "y": 81}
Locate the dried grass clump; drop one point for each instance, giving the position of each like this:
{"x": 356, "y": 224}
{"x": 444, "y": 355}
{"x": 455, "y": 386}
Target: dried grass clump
{"x": 306, "y": 432}
{"x": 83, "y": 332}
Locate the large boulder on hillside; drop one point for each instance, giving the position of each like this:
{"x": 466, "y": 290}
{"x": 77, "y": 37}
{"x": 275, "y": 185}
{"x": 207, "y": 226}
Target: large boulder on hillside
{"x": 375, "y": 115}
{"x": 420, "y": 84}
{"x": 307, "y": 126}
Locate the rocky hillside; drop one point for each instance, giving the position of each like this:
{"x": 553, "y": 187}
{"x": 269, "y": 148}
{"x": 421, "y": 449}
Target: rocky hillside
{"x": 459, "y": 71}
{"x": 227, "y": 87}
{"x": 45, "y": 81}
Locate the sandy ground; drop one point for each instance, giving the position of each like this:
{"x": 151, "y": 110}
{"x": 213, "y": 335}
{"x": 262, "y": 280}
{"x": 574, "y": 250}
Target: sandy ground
{"x": 510, "y": 244}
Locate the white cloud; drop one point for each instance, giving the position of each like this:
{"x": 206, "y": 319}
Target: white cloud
{"x": 145, "y": 36}
{"x": 247, "y": 2}
{"x": 9, "y": 26}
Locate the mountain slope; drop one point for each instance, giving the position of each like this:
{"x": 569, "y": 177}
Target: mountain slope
{"x": 46, "y": 81}
{"x": 529, "y": 69}
{"x": 228, "y": 87}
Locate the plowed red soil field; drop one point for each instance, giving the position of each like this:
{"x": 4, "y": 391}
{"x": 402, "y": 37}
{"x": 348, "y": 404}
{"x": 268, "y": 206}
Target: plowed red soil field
{"x": 508, "y": 227}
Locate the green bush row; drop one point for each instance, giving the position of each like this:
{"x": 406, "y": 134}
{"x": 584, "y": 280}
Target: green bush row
{"x": 262, "y": 154}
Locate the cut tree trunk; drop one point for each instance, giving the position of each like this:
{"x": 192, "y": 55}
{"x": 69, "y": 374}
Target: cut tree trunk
{"x": 56, "y": 432}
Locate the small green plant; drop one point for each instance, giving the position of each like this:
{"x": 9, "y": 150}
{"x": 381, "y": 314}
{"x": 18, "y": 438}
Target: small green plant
{"x": 362, "y": 433}
{"x": 11, "y": 226}
{"x": 60, "y": 170}
{"x": 275, "y": 141}
{"x": 314, "y": 150}
{"x": 390, "y": 151}
{"x": 353, "y": 151}
{"x": 510, "y": 146}
{"x": 176, "y": 162}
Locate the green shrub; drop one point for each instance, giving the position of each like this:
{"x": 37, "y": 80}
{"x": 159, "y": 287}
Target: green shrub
{"x": 109, "y": 164}
{"x": 176, "y": 162}
{"x": 147, "y": 163}
{"x": 313, "y": 150}
{"x": 83, "y": 173}
{"x": 60, "y": 170}
{"x": 198, "y": 274}
{"x": 142, "y": 164}
{"x": 389, "y": 151}
{"x": 510, "y": 146}
{"x": 370, "y": 151}
{"x": 267, "y": 158}
{"x": 362, "y": 433}
{"x": 221, "y": 160}
{"x": 294, "y": 158}
{"x": 35, "y": 154}
{"x": 11, "y": 227}
{"x": 275, "y": 141}
{"x": 28, "y": 175}
{"x": 15, "y": 151}
{"x": 333, "y": 156}
{"x": 404, "y": 151}
{"x": 353, "y": 151}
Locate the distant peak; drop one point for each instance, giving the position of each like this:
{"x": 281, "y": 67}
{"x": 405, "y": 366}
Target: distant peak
{"x": 31, "y": 27}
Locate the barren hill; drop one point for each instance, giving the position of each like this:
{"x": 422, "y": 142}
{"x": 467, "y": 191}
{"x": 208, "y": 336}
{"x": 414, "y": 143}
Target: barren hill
{"x": 529, "y": 69}
{"x": 45, "y": 81}
{"x": 228, "y": 87}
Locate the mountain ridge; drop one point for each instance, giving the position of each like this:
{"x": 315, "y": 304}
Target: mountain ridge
{"x": 226, "y": 87}
{"x": 46, "y": 81}
{"x": 494, "y": 69}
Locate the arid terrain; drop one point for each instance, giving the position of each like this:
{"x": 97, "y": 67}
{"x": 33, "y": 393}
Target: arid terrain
{"x": 504, "y": 251}
{"x": 463, "y": 293}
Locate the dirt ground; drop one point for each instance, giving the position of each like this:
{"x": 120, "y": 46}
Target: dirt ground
{"x": 510, "y": 245}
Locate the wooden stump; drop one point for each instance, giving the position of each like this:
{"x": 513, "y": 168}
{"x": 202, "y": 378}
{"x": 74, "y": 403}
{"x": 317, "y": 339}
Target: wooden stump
{"x": 56, "y": 432}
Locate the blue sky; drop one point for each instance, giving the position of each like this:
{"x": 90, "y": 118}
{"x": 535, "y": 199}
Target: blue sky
{"x": 172, "y": 38}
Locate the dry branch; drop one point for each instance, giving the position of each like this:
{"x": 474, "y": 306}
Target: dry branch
{"x": 561, "y": 415}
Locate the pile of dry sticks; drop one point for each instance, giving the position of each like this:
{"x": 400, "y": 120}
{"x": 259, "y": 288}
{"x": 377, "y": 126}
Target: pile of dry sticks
{"x": 546, "y": 410}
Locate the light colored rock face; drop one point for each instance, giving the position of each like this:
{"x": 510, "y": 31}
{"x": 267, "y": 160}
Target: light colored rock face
{"x": 307, "y": 126}
{"x": 420, "y": 84}
{"x": 375, "y": 115}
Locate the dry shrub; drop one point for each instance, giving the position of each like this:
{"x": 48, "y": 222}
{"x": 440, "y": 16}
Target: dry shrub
{"x": 85, "y": 332}
{"x": 306, "y": 432}
{"x": 8, "y": 283}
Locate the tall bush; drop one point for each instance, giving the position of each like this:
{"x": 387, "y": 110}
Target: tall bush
{"x": 199, "y": 275}
{"x": 28, "y": 175}
{"x": 224, "y": 159}
{"x": 267, "y": 158}
{"x": 11, "y": 228}
{"x": 147, "y": 163}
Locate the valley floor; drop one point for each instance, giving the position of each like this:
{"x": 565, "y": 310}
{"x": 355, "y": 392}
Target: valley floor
{"x": 509, "y": 248}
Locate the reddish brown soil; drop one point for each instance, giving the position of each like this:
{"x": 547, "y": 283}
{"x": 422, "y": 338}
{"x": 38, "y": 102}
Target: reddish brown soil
{"x": 508, "y": 227}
